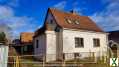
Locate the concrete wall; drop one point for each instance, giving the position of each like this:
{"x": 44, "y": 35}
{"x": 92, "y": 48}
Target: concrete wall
{"x": 69, "y": 42}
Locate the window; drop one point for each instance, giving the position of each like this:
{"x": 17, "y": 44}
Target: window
{"x": 79, "y": 42}
{"x": 25, "y": 48}
{"x": 63, "y": 56}
{"x": 76, "y": 22}
{"x": 57, "y": 29}
{"x": 69, "y": 21}
{"x": 72, "y": 21}
{"x": 37, "y": 42}
{"x": 51, "y": 21}
{"x": 76, "y": 55}
{"x": 96, "y": 42}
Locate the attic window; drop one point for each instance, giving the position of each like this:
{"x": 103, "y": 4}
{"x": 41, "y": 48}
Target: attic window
{"x": 69, "y": 21}
{"x": 51, "y": 21}
{"x": 76, "y": 22}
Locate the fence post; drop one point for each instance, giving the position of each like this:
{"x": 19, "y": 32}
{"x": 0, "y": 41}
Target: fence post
{"x": 43, "y": 61}
{"x": 63, "y": 64}
{"x": 105, "y": 59}
{"x": 95, "y": 58}
{"x": 17, "y": 61}
{"x": 14, "y": 61}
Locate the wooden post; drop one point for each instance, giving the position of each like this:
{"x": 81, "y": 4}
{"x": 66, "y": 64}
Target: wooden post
{"x": 93, "y": 56}
{"x": 43, "y": 61}
{"x": 17, "y": 61}
{"x": 14, "y": 61}
{"x": 63, "y": 64}
{"x": 105, "y": 59}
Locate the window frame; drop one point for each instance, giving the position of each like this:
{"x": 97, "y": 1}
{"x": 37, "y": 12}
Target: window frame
{"x": 51, "y": 21}
{"x": 76, "y": 22}
{"x": 96, "y": 42}
{"x": 25, "y": 48}
{"x": 69, "y": 21}
{"x": 79, "y": 42}
{"x": 37, "y": 43}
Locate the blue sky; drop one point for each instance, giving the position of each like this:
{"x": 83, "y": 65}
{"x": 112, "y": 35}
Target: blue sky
{"x": 28, "y": 15}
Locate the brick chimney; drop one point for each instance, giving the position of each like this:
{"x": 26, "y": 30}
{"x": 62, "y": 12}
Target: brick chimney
{"x": 73, "y": 12}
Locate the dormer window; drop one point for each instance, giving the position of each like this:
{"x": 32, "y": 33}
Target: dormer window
{"x": 76, "y": 22}
{"x": 51, "y": 21}
{"x": 69, "y": 21}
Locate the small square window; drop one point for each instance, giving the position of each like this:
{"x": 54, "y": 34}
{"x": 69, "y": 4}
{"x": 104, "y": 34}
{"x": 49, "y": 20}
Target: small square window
{"x": 76, "y": 22}
{"x": 51, "y": 21}
{"x": 96, "y": 42}
{"x": 79, "y": 42}
{"x": 69, "y": 21}
{"x": 76, "y": 55}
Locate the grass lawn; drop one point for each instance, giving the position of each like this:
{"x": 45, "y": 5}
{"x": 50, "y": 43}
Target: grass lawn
{"x": 25, "y": 62}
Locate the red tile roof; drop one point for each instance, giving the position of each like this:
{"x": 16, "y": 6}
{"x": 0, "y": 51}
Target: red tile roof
{"x": 26, "y": 37}
{"x": 85, "y": 23}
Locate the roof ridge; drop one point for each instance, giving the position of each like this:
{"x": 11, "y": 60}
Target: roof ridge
{"x": 62, "y": 11}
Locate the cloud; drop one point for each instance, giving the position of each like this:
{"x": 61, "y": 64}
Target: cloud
{"x": 61, "y": 5}
{"x": 64, "y": 4}
{"x": 6, "y": 29}
{"x": 17, "y": 24}
{"x": 108, "y": 19}
{"x": 23, "y": 23}
{"x": 5, "y": 12}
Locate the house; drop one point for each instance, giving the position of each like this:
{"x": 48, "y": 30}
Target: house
{"x": 114, "y": 42}
{"x": 24, "y": 45}
{"x": 66, "y": 35}
{"x": 16, "y": 42}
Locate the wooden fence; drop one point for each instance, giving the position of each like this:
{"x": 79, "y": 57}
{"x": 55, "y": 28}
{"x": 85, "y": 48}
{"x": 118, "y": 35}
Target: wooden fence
{"x": 30, "y": 61}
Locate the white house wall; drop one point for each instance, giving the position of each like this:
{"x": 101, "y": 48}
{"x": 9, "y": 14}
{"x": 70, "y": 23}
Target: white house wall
{"x": 40, "y": 51}
{"x": 69, "y": 42}
{"x": 47, "y": 42}
{"x": 51, "y": 46}
{"x": 51, "y": 39}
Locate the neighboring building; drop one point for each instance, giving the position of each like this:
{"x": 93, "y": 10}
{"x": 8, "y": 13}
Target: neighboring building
{"x": 16, "y": 42}
{"x": 3, "y": 55}
{"x": 26, "y": 39}
{"x": 68, "y": 35}
{"x": 24, "y": 45}
{"x": 114, "y": 42}
{"x": 17, "y": 45}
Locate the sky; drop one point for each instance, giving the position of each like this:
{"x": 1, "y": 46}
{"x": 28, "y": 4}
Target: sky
{"x": 28, "y": 15}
